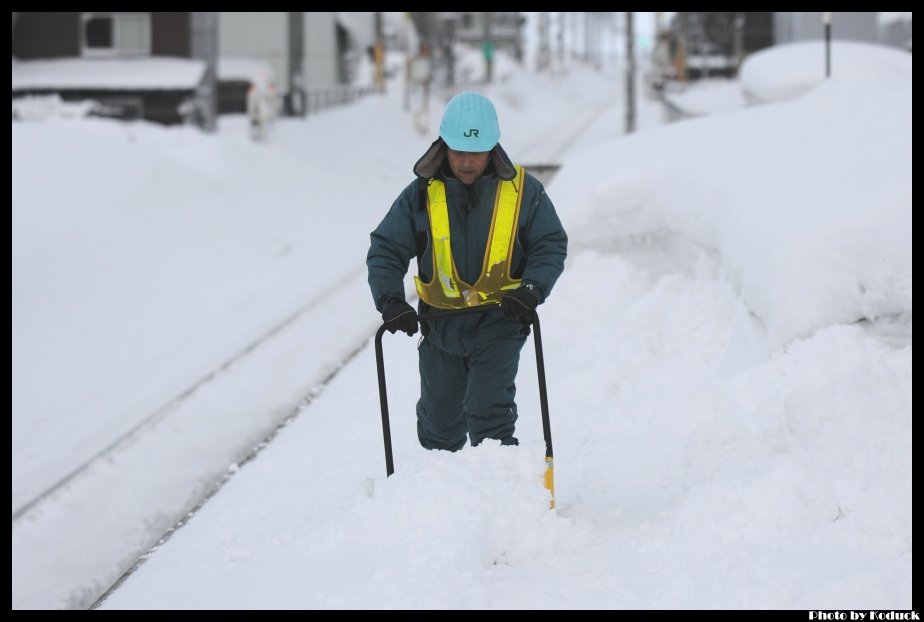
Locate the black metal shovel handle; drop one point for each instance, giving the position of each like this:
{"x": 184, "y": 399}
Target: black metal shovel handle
{"x": 433, "y": 315}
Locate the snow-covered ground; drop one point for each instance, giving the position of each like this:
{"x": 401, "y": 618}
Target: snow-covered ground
{"x": 728, "y": 355}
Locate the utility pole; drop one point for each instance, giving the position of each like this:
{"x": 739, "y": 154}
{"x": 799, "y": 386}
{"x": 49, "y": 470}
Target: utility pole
{"x": 450, "y": 53}
{"x": 378, "y": 53}
{"x": 204, "y": 46}
{"x": 560, "y": 39}
{"x": 587, "y": 20}
{"x": 542, "y": 63}
{"x": 488, "y": 47}
{"x": 296, "y": 99}
{"x": 630, "y": 72}
{"x": 738, "y": 45}
{"x": 826, "y": 20}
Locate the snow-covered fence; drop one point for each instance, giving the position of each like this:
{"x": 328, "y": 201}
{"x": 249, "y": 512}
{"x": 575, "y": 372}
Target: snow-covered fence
{"x": 320, "y": 98}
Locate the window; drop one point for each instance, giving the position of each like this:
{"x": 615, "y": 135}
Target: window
{"x": 116, "y": 34}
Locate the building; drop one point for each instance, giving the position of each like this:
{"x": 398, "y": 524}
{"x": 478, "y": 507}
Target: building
{"x": 155, "y": 66}
{"x": 502, "y": 29}
{"x": 314, "y": 57}
{"x": 187, "y": 67}
{"x": 488, "y": 31}
{"x": 808, "y": 25}
{"x": 895, "y": 29}
{"x": 713, "y": 44}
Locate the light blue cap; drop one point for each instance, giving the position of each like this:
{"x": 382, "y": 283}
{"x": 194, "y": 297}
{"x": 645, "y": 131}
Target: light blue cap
{"x": 470, "y": 123}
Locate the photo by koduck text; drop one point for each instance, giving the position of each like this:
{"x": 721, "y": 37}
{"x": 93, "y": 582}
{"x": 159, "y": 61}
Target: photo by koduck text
{"x": 863, "y": 615}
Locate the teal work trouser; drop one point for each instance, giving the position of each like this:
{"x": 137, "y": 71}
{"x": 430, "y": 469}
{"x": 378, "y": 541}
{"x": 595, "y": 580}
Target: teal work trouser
{"x": 471, "y": 394}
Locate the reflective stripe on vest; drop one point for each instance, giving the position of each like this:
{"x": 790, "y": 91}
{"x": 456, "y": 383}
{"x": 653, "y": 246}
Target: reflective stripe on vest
{"x": 446, "y": 290}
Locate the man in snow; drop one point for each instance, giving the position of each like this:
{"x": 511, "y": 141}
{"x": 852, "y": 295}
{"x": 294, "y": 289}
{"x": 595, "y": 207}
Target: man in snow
{"x": 485, "y": 234}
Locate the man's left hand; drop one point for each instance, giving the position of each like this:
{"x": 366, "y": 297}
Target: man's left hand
{"x": 520, "y": 303}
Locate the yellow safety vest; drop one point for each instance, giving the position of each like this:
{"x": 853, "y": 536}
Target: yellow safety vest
{"x": 446, "y": 290}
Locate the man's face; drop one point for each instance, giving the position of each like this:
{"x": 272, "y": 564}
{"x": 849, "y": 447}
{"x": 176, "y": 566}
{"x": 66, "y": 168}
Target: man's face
{"x": 466, "y": 166}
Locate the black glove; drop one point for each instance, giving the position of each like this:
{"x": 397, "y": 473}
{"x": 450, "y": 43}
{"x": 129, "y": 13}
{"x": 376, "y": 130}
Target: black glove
{"x": 399, "y": 315}
{"x": 520, "y": 303}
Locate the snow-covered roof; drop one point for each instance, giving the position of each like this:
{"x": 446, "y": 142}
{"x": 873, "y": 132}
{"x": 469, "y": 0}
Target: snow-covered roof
{"x": 159, "y": 73}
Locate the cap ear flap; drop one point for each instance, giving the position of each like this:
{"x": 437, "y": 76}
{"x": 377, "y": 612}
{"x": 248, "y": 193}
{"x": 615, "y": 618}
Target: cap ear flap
{"x": 428, "y": 165}
{"x": 502, "y": 163}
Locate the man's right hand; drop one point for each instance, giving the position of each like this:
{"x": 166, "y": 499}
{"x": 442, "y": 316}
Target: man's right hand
{"x": 399, "y": 315}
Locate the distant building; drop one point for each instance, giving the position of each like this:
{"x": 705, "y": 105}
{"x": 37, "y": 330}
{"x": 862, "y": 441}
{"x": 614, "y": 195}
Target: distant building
{"x": 491, "y": 31}
{"x": 807, "y": 25}
{"x": 155, "y": 66}
{"x": 503, "y": 29}
{"x": 253, "y": 52}
{"x": 895, "y": 29}
{"x": 713, "y": 44}
{"x": 187, "y": 67}
{"x": 873, "y": 27}
{"x": 312, "y": 56}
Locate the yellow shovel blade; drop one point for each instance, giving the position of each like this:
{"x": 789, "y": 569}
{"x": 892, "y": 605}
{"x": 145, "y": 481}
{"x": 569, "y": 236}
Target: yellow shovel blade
{"x": 550, "y": 481}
